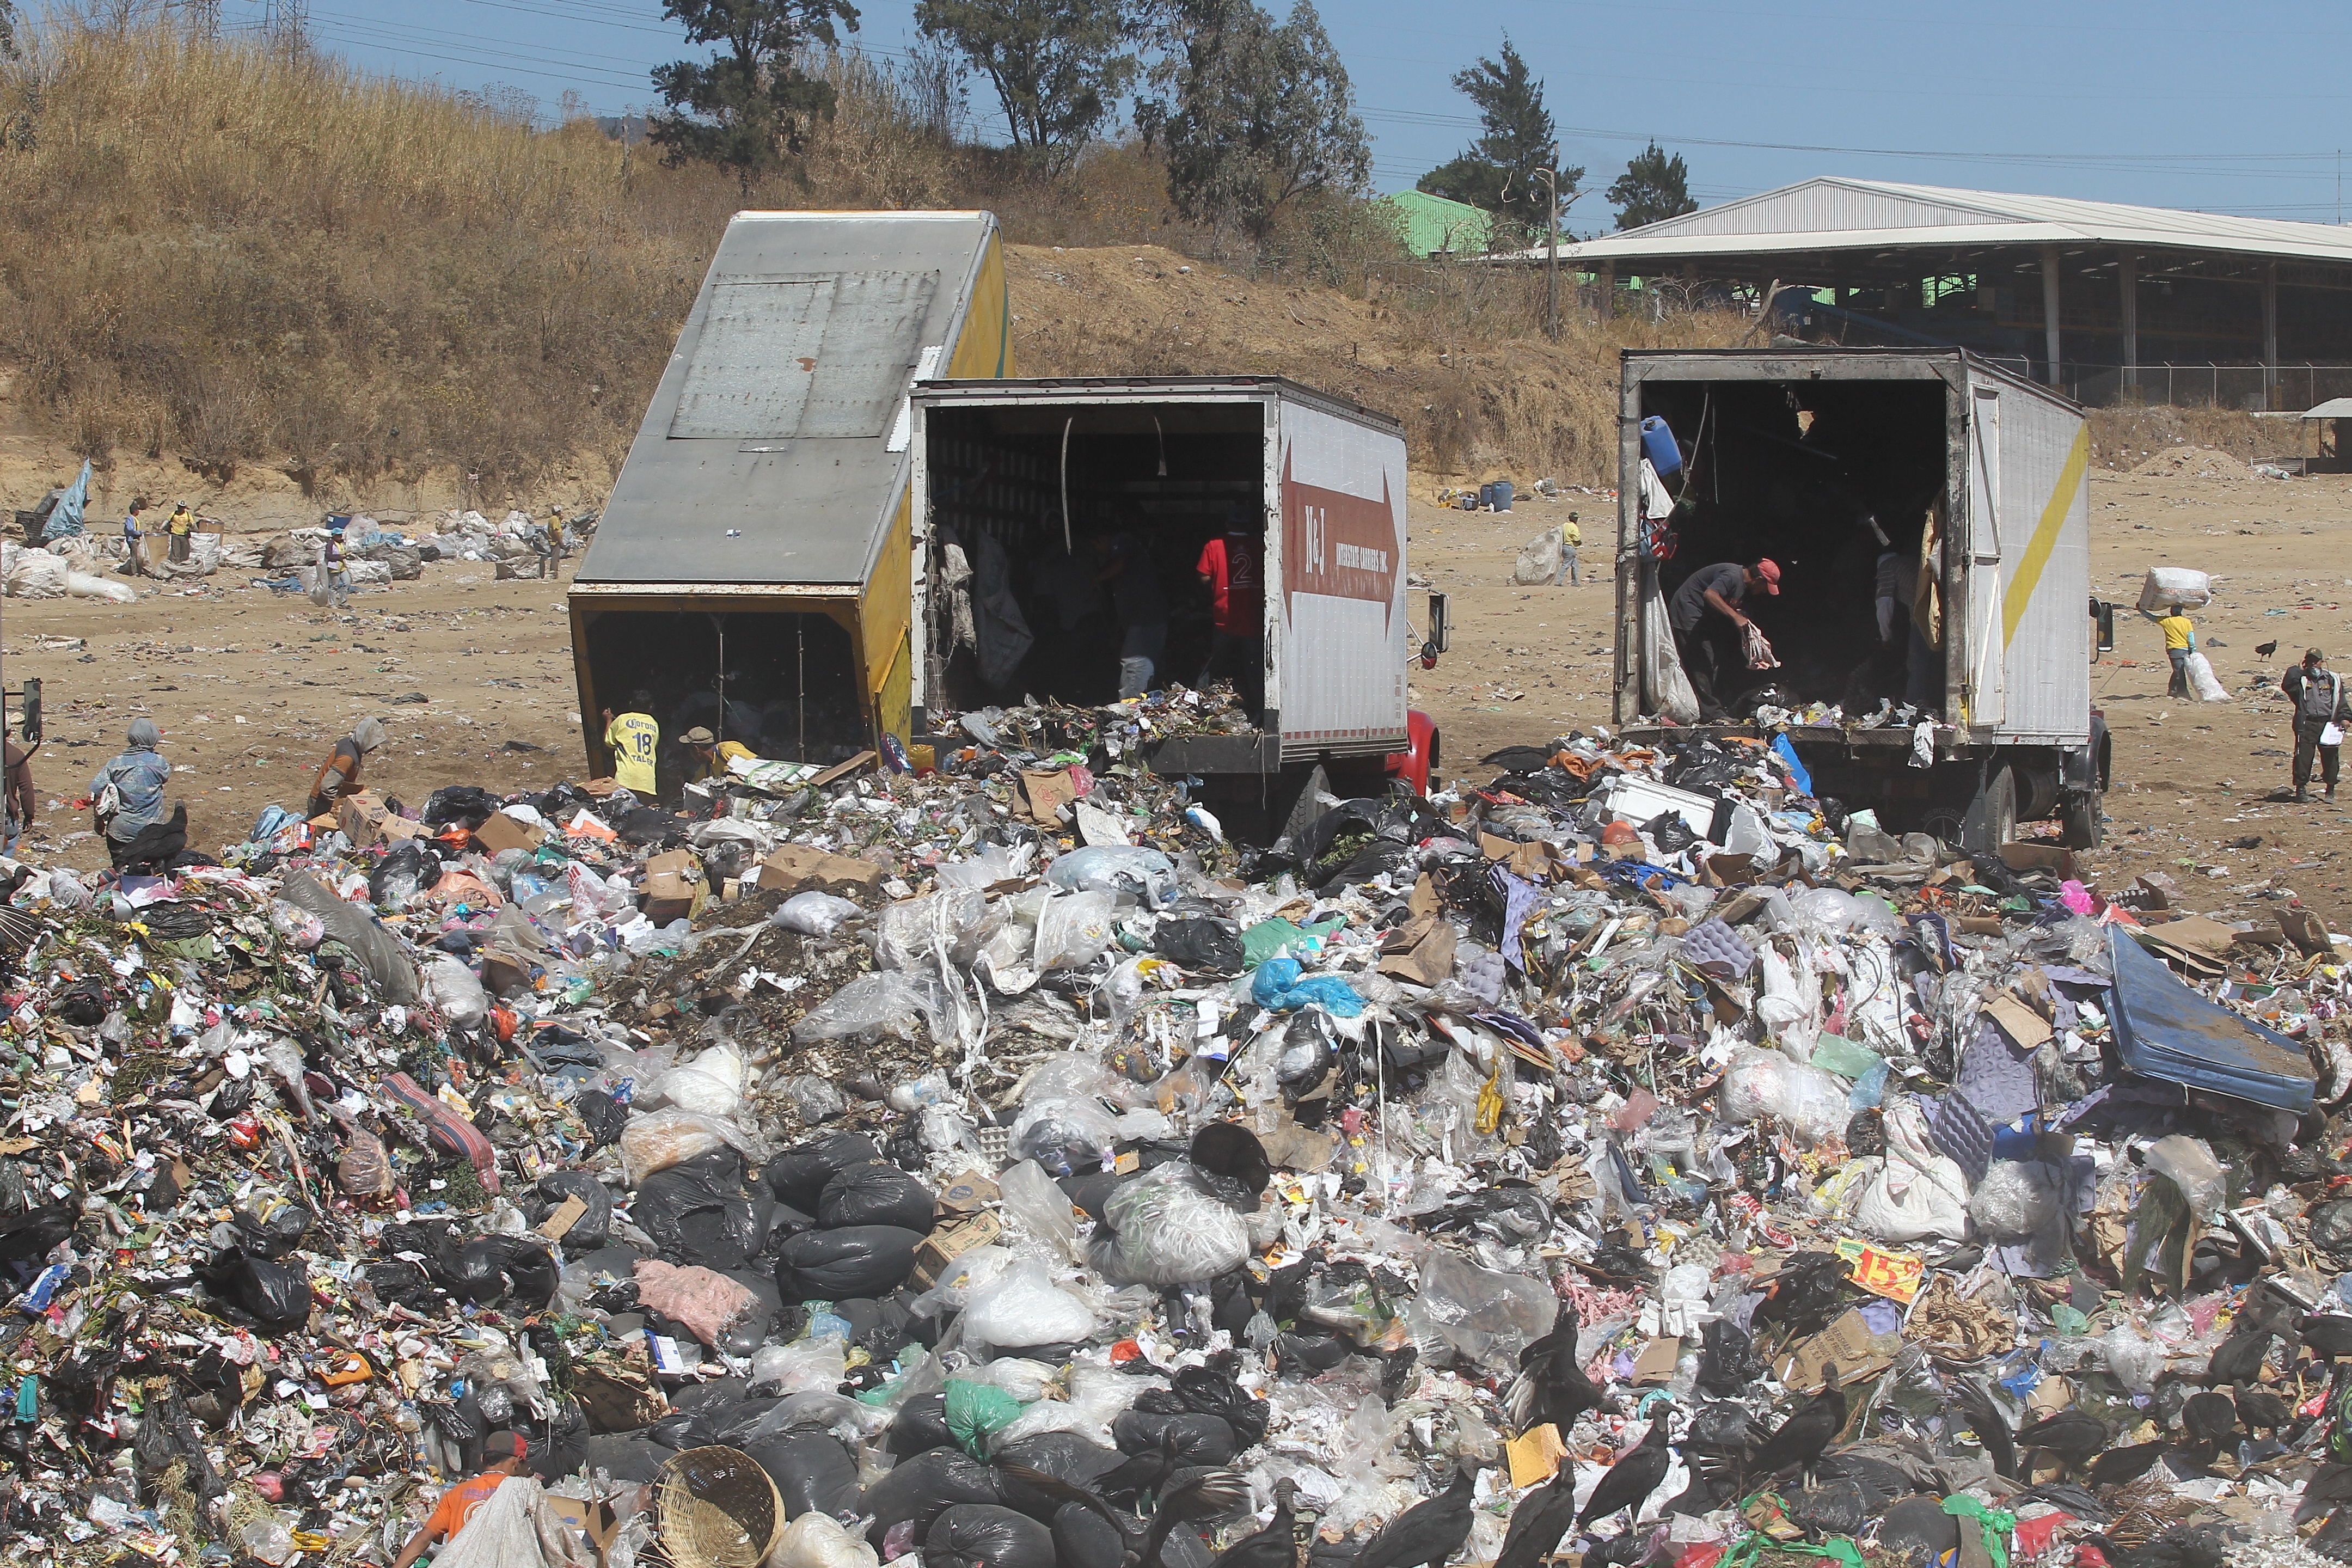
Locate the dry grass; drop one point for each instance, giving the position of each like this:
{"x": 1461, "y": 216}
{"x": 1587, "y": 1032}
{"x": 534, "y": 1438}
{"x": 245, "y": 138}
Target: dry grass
{"x": 2124, "y": 437}
{"x": 233, "y": 256}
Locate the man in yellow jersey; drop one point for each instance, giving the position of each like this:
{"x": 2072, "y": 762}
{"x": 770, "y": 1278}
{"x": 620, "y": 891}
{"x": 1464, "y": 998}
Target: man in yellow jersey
{"x": 2179, "y": 642}
{"x": 634, "y": 738}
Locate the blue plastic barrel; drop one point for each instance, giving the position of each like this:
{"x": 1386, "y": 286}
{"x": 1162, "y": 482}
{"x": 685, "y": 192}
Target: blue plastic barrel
{"x": 1502, "y": 495}
{"x": 1485, "y": 498}
{"x": 1658, "y": 446}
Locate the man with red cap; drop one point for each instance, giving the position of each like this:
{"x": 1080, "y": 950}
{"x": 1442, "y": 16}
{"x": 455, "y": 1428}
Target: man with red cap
{"x": 504, "y": 1456}
{"x": 1699, "y": 637}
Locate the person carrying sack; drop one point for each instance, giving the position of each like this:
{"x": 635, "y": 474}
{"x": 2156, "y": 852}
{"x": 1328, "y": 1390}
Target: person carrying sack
{"x": 2317, "y": 694}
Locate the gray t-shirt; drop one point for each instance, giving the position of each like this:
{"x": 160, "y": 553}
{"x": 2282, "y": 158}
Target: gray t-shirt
{"x": 1689, "y": 602}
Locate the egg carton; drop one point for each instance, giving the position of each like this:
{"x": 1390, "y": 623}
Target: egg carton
{"x": 1717, "y": 948}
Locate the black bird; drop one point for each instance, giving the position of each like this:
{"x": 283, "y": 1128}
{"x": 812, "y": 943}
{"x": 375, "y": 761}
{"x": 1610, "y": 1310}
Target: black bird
{"x": 1991, "y": 1427}
{"x": 1271, "y": 1547}
{"x": 2240, "y": 1357}
{"x": 2182, "y": 1546}
{"x": 1143, "y": 1472}
{"x": 2118, "y": 1466}
{"x": 1728, "y": 1364}
{"x": 1552, "y": 1384}
{"x": 2075, "y": 1435}
{"x": 2258, "y": 1408}
{"x": 1637, "y": 1475}
{"x": 1801, "y": 1437}
{"x": 2209, "y": 1418}
{"x": 1195, "y": 1492}
{"x": 2264, "y": 650}
{"x": 1427, "y": 1534}
{"x": 2329, "y": 1334}
{"x": 1542, "y": 1517}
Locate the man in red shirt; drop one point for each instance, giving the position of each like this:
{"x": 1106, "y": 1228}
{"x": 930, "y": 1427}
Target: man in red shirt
{"x": 1233, "y": 568}
{"x": 504, "y": 1454}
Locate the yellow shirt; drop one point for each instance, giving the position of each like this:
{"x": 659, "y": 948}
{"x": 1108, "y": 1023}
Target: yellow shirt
{"x": 2178, "y": 633}
{"x": 1571, "y": 535}
{"x": 634, "y": 738}
{"x": 722, "y": 753}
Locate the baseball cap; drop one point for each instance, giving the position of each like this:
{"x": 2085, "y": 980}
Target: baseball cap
{"x": 2314, "y": 655}
{"x": 1771, "y": 572}
{"x": 504, "y": 1445}
{"x": 699, "y": 736}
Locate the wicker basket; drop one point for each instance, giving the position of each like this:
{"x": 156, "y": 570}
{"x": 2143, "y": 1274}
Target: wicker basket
{"x": 716, "y": 1508}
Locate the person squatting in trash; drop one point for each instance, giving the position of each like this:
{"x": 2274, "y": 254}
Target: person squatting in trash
{"x": 127, "y": 796}
{"x": 707, "y": 755}
{"x": 1706, "y": 616}
{"x": 504, "y": 1456}
{"x": 2317, "y": 694}
{"x": 339, "y": 775}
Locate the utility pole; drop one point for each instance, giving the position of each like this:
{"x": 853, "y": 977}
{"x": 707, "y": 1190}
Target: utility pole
{"x": 1551, "y": 178}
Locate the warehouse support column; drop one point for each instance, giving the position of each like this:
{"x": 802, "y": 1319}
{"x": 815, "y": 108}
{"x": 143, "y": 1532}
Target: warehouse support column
{"x": 2127, "y": 287}
{"x": 2270, "y": 334}
{"x": 2050, "y": 309}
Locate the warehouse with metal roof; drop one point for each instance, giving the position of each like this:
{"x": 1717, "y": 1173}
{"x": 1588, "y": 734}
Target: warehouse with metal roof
{"x": 2108, "y": 302}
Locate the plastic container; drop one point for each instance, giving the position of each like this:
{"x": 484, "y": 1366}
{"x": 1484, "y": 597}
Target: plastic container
{"x": 1658, "y": 446}
{"x": 1485, "y": 498}
{"x": 1502, "y": 495}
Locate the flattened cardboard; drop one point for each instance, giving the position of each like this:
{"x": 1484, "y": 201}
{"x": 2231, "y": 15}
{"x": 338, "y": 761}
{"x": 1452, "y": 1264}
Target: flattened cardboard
{"x": 1431, "y": 958}
{"x": 948, "y": 1243}
{"x": 1535, "y": 1455}
{"x": 1845, "y": 1341}
{"x": 500, "y": 833}
{"x": 793, "y": 864}
{"x": 557, "y": 1225}
{"x": 1048, "y": 793}
{"x": 2021, "y": 1023}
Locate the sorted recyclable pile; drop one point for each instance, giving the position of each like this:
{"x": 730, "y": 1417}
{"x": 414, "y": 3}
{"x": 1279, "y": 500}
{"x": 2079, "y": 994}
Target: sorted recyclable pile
{"x": 1633, "y": 1159}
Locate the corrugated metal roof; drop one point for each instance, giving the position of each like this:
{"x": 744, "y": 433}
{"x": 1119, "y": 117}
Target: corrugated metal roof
{"x": 1833, "y": 213}
{"x": 766, "y": 455}
{"x": 2334, "y": 408}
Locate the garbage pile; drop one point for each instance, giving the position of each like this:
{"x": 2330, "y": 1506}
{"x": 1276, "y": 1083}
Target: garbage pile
{"x": 1634, "y": 1159}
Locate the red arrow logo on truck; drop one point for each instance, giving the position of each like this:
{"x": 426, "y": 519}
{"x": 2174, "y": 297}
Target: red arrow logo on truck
{"x": 1336, "y": 543}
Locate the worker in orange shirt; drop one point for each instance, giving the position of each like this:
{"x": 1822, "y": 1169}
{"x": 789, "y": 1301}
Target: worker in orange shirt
{"x": 504, "y": 1456}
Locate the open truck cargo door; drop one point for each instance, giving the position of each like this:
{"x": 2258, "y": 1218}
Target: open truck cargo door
{"x": 1976, "y": 590}
{"x": 752, "y": 573}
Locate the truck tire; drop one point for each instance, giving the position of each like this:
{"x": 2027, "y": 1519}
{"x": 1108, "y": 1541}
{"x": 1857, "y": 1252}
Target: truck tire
{"x": 1992, "y": 816}
{"x": 2082, "y": 820}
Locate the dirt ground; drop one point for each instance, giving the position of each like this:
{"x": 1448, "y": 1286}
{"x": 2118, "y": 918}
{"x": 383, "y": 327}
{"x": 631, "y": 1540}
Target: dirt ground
{"x": 251, "y": 688}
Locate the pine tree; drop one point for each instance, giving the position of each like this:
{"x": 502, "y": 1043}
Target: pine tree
{"x": 1653, "y": 186}
{"x": 1497, "y": 172}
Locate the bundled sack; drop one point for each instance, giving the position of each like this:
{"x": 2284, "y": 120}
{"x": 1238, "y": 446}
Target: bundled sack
{"x": 2169, "y": 587}
{"x": 856, "y": 1261}
{"x": 519, "y": 1271}
{"x": 592, "y": 1231}
{"x": 1920, "y": 1193}
{"x": 696, "y": 1212}
{"x": 1194, "y": 1439}
{"x": 987, "y": 1535}
{"x": 1169, "y": 1228}
{"x": 799, "y": 1175}
{"x": 813, "y": 1472}
{"x": 917, "y": 1489}
{"x": 876, "y": 1194}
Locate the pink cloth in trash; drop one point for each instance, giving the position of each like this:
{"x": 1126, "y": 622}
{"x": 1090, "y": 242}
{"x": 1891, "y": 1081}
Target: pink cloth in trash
{"x": 704, "y": 1300}
{"x": 2076, "y": 897}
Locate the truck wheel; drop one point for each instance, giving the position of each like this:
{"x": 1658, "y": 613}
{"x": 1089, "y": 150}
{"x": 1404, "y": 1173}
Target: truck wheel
{"x": 2082, "y": 820}
{"x": 1992, "y": 816}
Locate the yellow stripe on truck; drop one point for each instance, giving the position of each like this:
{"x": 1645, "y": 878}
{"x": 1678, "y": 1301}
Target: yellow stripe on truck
{"x": 2045, "y": 536}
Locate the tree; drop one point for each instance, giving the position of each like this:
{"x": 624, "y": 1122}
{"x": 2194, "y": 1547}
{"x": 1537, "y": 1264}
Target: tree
{"x": 1498, "y": 171}
{"x": 1256, "y": 115}
{"x": 1059, "y": 67}
{"x": 1653, "y": 186}
{"x": 750, "y": 107}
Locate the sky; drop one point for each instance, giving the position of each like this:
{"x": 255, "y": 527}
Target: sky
{"x": 2237, "y": 108}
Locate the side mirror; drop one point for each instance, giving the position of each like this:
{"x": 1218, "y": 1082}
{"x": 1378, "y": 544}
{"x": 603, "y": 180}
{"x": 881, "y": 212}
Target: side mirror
{"x": 1440, "y": 624}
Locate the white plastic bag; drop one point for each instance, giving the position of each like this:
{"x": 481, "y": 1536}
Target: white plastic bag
{"x": 1810, "y": 1102}
{"x": 454, "y": 991}
{"x": 502, "y": 1534}
{"x": 1117, "y": 867}
{"x": 1072, "y": 932}
{"x": 1171, "y": 1230}
{"x": 1023, "y": 1307}
{"x": 954, "y": 921}
{"x": 818, "y": 1541}
{"x": 665, "y": 1138}
{"x": 813, "y": 914}
{"x": 1921, "y": 1192}
{"x": 2168, "y": 586}
{"x": 2132, "y": 1357}
{"x": 2017, "y": 1200}
{"x": 2202, "y": 680}
{"x": 868, "y": 1007}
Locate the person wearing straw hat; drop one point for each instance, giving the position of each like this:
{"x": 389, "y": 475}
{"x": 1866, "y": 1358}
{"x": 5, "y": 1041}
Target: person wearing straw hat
{"x": 707, "y": 755}
{"x": 505, "y": 1455}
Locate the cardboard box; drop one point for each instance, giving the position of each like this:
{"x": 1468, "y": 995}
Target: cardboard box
{"x": 968, "y": 1194}
{"x": 948, "y": 1243}
{"x": 795, "y": 865}
{"x": 501, "y": 832}
{"x": 675, "y": 887}
{"x": 361, "y": 815}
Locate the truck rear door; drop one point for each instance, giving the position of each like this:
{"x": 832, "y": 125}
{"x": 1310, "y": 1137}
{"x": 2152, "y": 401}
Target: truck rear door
{"x": 1983, "y": 687}
{"x": 1338, "y": 584}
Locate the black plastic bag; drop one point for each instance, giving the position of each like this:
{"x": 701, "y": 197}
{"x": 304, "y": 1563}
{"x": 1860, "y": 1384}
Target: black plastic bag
{"x": 407, "y": 870}
{"x": 274, "y": 1297}
{"x": 1065, "y": 1456}
{"x": 1208, "y": 1392}
{"x": 696, "y": 1212}
{"x": 398, "y": 1282}
{"x": 971, "y": 1534}
{"x": 1669, "y": 832}
{"x": 592, "y": 1231}
{"x": 813, "y": 1472}
{"x": 1232, "y": 1152}
{"x": 467, "y": 806}
{"x": 918, "y": 1487}
{"x": 798, "y": 1175}
{"x": 1198, "y": 1439}
{"x": 494, "y": 1269}
{"x": 1200, "y": 943}
{"x": 650, "y": 825}
{"x": 856, "y": 1261}
{"x": 274, "y": 1237}
{"x": 920, "y": 1425}
{"x": 876, "y": 1194}
{"x": 603, "y": 1116}
{"x": 1084, "y": 1539}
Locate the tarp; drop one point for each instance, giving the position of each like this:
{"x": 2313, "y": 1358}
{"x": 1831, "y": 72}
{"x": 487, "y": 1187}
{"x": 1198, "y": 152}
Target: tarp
{"x": 2165, "y": 1030}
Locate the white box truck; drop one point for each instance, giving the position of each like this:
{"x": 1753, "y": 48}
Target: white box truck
{"x": 1928, "y": 516}
{"x": 1020, "y": 488}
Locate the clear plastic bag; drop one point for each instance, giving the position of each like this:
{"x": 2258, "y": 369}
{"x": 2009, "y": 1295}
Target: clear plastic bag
{"x": 1810, "y": 1102}
{"x": 995, "y": 863}
{"x": 815, "y": 1098}
{"x": 2133, "y": 1358}
{"x": 1023, "y": 1307}
{"x": 813, "y": 913}
{"x": 955, "y": 921}
{"x": 2192, "y": 1168}
{"x": 691, "y": 1090}
{"x": 813, "y": 1366}
{"x": 1042, "y": 1208}
{"x": 869, "y": 1007}
{"x": 1171, "y": 1229}
{"x": 1487, "y": 1316}
{"x": 1072, "y": 932}
{"x": 2015, "y": 1201}
{"x": 1117, "y": 868}
{"x": 819, "y": 1541}
{"x": 658, "y": 1140}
